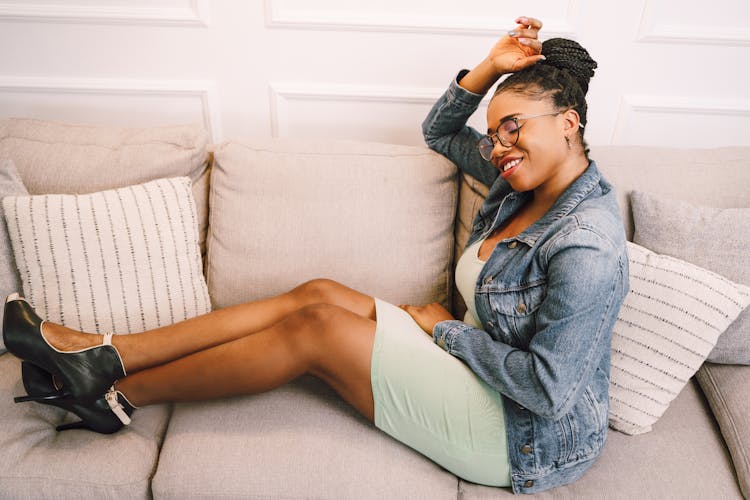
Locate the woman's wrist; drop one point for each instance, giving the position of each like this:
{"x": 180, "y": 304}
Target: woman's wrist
{"x": 480, "y": 79}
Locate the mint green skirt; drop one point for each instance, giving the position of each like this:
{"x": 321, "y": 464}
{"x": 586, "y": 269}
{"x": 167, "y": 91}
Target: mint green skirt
{"x": 432, "y": 402}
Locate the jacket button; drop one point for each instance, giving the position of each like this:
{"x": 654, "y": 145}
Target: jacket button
{"x": 526, "y": 449}
{"x": 488, "y": 280}
{"x": 521, "y": 308}
{"x": 528, "y": 484}
{"x": 512, "y": 244}
{"x": 441, "y": 343}
{"x": 490, "y": 324}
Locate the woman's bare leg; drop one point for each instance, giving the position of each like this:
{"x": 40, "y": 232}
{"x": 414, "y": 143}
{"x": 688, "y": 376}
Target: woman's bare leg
{"x": 327, "y": 341}
{"x": 165, "y": 344}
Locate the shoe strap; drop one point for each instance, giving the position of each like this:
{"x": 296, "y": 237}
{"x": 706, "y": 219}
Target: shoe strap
{"x": 116, "y": 407}
{"x": 107, "y": 339}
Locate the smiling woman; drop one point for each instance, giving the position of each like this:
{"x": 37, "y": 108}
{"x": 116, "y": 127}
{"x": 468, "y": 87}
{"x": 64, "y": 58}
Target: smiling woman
{"x": 545, "y": 269}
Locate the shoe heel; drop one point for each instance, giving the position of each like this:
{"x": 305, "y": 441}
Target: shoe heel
{"x": 43, "y": 398}
{"x": 72, "y": 425}
{"x": 12, "y": 297}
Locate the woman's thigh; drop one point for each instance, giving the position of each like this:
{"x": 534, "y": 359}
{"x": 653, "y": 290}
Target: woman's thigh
{"x": 340, "y": 346}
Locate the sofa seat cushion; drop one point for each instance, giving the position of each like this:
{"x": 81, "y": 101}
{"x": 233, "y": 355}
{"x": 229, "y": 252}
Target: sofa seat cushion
{"x": 298, "y": 441}
{"x": 39, "y": 462}
{"x": 683, "y": 456}
{"x": 378, "y": 218}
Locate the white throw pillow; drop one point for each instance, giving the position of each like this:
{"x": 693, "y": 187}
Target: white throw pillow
{"x": 667, "y": 326}
{"x": 123, "y": 260}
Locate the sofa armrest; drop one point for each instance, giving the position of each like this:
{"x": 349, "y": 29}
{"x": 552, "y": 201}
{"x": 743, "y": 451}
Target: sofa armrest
{"x": 726, "y": 388}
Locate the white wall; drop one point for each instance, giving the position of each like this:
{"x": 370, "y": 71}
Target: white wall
{"x": 671, "y": 72}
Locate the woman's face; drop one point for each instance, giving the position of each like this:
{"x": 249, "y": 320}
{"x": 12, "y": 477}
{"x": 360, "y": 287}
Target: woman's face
{"x": 541, "y": 148}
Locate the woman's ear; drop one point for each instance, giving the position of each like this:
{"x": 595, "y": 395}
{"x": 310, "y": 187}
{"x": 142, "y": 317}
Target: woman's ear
{"x": 572, "y": 121}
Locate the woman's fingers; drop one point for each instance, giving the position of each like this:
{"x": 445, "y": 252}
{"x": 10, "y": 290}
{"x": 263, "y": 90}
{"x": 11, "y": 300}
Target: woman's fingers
{"x": 530, "y": 22}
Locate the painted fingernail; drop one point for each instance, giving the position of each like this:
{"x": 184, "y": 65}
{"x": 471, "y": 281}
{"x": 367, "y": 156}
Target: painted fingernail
{"x": 512, "y": 33}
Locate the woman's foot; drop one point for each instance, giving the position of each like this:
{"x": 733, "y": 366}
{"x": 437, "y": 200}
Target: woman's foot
{"x": 105, "y": 415}
{"x": 88, "y": 364}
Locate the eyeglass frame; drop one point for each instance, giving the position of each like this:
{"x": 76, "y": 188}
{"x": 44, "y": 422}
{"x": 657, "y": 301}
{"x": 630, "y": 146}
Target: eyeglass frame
{"x": 495, "y": 138}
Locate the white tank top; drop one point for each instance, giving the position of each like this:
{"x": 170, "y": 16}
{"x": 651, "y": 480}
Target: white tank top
{"x": 467, "y": 271}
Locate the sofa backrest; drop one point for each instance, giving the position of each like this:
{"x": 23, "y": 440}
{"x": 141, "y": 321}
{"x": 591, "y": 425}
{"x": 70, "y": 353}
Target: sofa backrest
{"x": 66, "y": 158}
{"x": 376, "y": 217}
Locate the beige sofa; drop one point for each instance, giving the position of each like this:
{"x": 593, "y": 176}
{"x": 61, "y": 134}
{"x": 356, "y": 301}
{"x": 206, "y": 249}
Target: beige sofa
{"x": 387, "y": 220}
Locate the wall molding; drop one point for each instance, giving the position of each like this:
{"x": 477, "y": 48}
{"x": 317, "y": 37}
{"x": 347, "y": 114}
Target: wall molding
{"x": 194, "y": 13}
{"x": 352, "y": 20}
{"x": 281, "y": 94}
{"x": 651, "y": 31}
{"x": 668, "y": 105}
{"x": 204, "y": 91}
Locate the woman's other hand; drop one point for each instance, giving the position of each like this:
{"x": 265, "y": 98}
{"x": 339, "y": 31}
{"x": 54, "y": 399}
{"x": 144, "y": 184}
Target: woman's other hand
{"x": 428, "y": 316}
{"x": 518, "y": 49}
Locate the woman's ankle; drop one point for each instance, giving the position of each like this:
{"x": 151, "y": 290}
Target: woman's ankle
{"x": 64, "y": 339}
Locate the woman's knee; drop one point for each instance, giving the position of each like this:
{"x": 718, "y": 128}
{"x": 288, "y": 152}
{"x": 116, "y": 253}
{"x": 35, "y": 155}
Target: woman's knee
{"x": 310, "y": 328}
{"x": 318, "y": 291}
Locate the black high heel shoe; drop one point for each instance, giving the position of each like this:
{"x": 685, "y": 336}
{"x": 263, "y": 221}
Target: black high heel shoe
{"x": 105, "y": 415}
{"x": 87, "y": 374}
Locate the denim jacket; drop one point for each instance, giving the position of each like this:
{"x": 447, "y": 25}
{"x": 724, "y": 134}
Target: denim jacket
{"x": 548, "y": 299}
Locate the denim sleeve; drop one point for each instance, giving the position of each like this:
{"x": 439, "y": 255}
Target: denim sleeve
{"x": 586, "y": 286}
{"x": 446, "y": 132}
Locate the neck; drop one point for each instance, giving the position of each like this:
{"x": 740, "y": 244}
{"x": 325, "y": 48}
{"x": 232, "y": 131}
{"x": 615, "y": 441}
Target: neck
{"x": 547, "y": 194}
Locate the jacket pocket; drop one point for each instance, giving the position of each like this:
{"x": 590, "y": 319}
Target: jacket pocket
{"x": 516, "y": 310}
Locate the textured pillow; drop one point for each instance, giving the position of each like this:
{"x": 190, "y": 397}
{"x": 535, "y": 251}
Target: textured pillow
{"x": 713, "y": 238}
{"x": 122, "y": 261}
{"x": 10, "y": 184}
{"x": 668, "y": 323}
{"x": 376, "y": 217}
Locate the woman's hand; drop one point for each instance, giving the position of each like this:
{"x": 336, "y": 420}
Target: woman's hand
{"x": 518, "y": 49}
{"x": 428, "y": 316}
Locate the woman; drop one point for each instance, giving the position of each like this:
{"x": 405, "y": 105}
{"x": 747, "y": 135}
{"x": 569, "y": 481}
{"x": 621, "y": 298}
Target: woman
{"x": 517, "y": 396}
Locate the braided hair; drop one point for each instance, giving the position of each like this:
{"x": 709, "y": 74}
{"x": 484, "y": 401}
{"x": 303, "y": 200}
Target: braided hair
{"x": 563, "y": 77}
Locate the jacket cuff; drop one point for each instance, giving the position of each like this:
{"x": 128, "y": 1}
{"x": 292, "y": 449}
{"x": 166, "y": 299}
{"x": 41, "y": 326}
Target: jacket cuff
{"x": 461, "y": 95}
{"x": 446, "y": 332}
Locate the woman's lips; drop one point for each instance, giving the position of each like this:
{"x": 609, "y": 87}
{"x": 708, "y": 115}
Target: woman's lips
{"x": 510, "y": 166}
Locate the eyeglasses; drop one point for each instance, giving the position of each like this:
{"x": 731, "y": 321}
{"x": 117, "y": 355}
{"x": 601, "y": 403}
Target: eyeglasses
{"x": 507, "y": 134}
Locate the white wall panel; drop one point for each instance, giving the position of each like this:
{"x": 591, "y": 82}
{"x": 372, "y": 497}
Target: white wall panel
{"x": 107, "y": 102}
{"x": 681, "y": 122}
{"x": 481, "y": 17}
{"x": 725, "y": 22}
{"x": 362, "y": 70}
{"x": 168, "y": 12}
{"x": 381, "y": 114}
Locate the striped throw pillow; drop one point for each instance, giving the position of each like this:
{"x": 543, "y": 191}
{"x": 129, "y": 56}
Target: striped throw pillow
{"x": 667, "y": 326}
{"x": 122, "y": 261}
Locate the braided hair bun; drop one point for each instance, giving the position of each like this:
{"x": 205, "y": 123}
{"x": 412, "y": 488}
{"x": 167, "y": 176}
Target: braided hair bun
{"x": 568, "y": 55}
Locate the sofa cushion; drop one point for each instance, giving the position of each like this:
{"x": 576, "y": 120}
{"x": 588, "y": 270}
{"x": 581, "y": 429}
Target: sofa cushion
{"x": 38, "y": 462}
{"x": 727, "y": 389}
{"x": 56, "y": 157}
{"x": 708, "y": 237}
{"x": 667, "y": 325}
{"x": 683, "y": 457}
{"x": 298, "y": 441}
{"x": 378, "y": 218}
{"x": 714, "y": 177}
{"x": 10, "y": 185}
{"x": 123, "y": 260}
